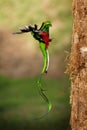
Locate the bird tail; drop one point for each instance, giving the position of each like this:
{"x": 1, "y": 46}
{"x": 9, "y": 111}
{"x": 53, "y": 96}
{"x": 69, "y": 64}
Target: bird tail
{"x": 41, "y": 92}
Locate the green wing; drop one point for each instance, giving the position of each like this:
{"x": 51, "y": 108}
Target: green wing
{"x": 45, "y": 26}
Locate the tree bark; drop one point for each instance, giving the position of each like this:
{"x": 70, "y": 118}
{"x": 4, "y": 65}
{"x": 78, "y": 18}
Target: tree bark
{"x": 78, "y": 66}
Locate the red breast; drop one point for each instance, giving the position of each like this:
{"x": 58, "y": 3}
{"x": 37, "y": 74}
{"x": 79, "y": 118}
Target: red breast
{"x": 45, "y": 38}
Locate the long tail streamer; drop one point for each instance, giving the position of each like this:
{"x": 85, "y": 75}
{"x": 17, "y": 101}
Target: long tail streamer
{"x": 44, "y": 70}
{"x": 42, "y": 35}
{"x": 41, "y": 92}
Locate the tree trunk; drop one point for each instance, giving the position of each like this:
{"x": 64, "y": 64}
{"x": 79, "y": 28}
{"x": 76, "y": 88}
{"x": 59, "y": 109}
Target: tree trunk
{"x": 78, "y": 67}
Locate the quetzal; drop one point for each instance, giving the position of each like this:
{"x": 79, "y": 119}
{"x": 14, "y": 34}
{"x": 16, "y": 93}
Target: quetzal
{"x": 42, "y": 35}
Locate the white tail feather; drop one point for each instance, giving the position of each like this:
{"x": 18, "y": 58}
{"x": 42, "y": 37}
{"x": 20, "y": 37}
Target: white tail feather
{"x": 47, "y": 61}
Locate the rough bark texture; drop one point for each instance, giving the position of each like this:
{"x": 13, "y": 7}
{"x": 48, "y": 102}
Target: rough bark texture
{"x": 78, "y": 66}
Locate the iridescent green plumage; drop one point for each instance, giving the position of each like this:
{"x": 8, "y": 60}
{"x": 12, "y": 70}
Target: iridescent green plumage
{"x": 45, "y": 26}
{"x": 45, "y": 56}
{"x": 41, "y": 92}
{"x": 42, "y": 35}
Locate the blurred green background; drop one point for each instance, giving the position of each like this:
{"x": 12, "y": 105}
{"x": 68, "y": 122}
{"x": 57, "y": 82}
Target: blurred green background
{"x": 21, "y": 62}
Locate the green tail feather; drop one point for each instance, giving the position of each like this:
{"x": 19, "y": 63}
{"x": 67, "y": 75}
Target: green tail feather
{"x": 44, "y": 70}
{"x": 41, "y": 92}
{"x": 45, "y": 56}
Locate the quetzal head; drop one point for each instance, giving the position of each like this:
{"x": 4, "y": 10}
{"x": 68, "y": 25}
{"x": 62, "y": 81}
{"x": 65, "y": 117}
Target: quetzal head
{"x": 45, "y": 26}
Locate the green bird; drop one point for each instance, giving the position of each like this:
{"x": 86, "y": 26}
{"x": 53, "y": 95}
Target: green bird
{"x": 42, "y": 35}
